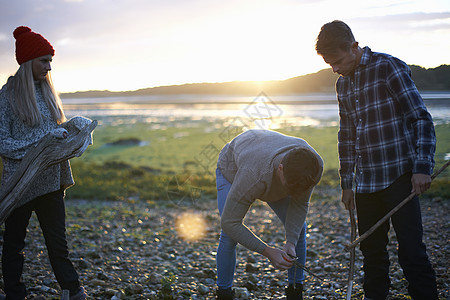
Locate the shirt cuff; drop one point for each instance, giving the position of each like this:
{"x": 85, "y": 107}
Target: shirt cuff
{"x": 422, "y": 167}
{"x": 346, "y": 183}
{"x": 260, "y": 248}
{"x": 292, "y": 239}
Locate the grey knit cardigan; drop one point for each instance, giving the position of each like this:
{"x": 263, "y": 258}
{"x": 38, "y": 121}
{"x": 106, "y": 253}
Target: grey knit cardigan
{"x": 16, "y": 138}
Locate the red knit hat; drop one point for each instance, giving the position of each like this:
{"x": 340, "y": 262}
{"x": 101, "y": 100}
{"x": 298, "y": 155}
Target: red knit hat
{"x": 30, "y": 45}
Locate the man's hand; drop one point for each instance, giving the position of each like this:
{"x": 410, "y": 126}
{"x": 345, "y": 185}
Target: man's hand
{"x": 420, "y": 183}
{"x": 348, "y": 198}
{"x": 289, "y": 248}
{"x": 279, "y": 258}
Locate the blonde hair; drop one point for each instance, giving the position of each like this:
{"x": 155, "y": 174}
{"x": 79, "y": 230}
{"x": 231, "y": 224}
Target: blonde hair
{"x": 23, "y": 96}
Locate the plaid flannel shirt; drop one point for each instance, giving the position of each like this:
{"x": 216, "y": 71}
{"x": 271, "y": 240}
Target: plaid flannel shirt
{"x": 385, "y": 129}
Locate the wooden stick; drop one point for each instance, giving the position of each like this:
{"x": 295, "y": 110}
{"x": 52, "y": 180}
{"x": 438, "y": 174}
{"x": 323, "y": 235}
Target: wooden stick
{"x": 65, "y": 295}
{"x": 351, "y": 270}
{"x": 389, "y": 214}
{"x": 48, "y": 151}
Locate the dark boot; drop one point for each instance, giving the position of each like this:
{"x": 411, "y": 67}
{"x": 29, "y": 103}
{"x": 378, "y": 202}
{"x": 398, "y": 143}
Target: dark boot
{"x": 80, "y": 295}
{"x": 225, "y": 294}
{"x": 294, "y": 293}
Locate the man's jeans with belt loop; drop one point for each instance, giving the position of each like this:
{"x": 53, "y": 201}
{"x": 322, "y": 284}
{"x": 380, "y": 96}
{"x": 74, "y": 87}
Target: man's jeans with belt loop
{"x": 226, "y": 252}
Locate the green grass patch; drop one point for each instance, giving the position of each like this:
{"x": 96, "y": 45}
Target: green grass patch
{"x": 176, "y": 160}
{"x": 194, "y": 148}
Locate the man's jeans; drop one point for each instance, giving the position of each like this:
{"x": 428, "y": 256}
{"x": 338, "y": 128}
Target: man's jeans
{"x": 226, "y": 252}
{"x": 50, "y": 211}
{"x": 407, "y": 223}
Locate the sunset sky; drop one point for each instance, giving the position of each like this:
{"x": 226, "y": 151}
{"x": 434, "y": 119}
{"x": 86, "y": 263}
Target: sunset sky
{"x": 126, "y": 45}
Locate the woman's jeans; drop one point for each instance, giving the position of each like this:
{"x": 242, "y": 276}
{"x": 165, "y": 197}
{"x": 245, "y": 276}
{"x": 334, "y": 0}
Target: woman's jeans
{"x": 226, "y": 252}
{"x": 50, "y": 211}
{"x": 407, "y": 223}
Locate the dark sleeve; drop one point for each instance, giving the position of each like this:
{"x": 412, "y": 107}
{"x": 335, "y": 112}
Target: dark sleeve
{"x": 404, "y": 91}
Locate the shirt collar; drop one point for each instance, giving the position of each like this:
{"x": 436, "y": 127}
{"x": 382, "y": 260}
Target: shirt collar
{"x": 367, "y": 53}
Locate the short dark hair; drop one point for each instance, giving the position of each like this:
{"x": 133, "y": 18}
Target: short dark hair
{"x": 334, "y": 36}
{"x": 300, "y": 169}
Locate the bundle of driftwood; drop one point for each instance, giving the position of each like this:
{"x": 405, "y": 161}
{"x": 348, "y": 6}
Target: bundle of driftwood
{"x": 48, "y": 151}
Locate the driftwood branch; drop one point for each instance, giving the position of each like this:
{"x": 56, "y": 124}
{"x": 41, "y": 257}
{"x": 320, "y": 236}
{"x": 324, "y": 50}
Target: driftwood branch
{"x": 389, "y": 214}
{"x": 351, "y": 270}
{"x": 48, "y": 151}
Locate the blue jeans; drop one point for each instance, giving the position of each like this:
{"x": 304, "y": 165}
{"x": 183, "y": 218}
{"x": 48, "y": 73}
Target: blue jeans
{"x": 50, "y": 211}
{"x": 407, "y": 223}
{"x": 226, "y": 252}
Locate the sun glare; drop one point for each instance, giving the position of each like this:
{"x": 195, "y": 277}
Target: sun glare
{"x": 257, "y": 44}
{"x": 191, "y": 226}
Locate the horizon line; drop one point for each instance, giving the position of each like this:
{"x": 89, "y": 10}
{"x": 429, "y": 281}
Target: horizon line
{"x": 217, "y": 82}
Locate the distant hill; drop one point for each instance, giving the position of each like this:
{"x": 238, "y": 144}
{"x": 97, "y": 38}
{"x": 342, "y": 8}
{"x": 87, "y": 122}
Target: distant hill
{"x": 434, "y": 79}
{"x": 437, "y": 79}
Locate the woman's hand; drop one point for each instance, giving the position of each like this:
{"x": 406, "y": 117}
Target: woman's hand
{"x": 279, "y": 258}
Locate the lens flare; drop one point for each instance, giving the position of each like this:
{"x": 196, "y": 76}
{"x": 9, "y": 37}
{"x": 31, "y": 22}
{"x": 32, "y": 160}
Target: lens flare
{"x": 191, "y": 226}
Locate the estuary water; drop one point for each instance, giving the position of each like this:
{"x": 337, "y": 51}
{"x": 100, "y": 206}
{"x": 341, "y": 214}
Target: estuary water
{"x": 319, "y": 109}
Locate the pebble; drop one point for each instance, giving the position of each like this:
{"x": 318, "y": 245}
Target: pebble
{"x": 110, "y": 293}
{"x": 83, "y": 264}
{"x": 253, "y": 278}
{"x": 251, "y": 259}
{"x": 47, "y": 289}
{"x": 98, "y": 282}
{"x": 155, "y": 278}
{"x": 242, "y": 292}
{"x": 251, "y": 267}
{"x": 202, "y": 289}
{"x": 209, "y": 281}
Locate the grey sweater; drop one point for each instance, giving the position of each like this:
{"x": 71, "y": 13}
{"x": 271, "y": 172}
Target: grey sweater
{"x": 16, "y": 138}
{"x": 249, "y": 162}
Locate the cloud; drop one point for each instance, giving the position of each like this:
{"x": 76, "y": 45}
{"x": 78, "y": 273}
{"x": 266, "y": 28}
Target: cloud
{"x": 416, "y": 20}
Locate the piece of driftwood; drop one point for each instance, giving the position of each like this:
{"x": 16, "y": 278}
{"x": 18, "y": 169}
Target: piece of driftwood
{"x": 50, "y": 150}
{"x": 351, "y": 270}
{"x": 389, "y": 214}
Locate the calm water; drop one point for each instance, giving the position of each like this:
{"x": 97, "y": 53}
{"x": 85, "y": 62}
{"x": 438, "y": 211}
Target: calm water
{"x": 264, "y": 111}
